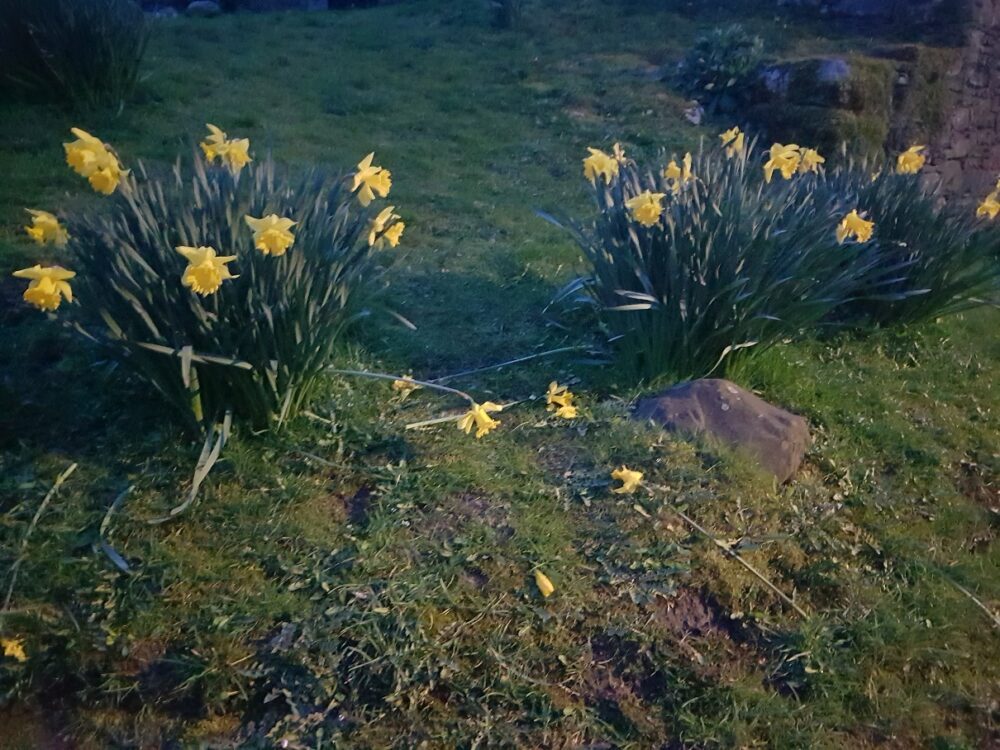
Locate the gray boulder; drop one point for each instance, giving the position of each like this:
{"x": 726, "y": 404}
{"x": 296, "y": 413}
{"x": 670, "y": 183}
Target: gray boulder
{"x": 722, "y": 411}
{"x": 203, "y": 9}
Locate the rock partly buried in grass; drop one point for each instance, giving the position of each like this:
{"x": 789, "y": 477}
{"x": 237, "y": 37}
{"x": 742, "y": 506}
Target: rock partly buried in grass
{"x": 721, "y": 410}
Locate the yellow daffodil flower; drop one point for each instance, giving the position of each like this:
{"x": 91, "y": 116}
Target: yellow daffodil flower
{"x": 49, "y": 284}
{"x": 600, "y": 164}
{"x": 91, "y": 158}
{"x": 206, "y": 271}
{"x": 990, "y": 207}
{"x": 559, "y": 400}
{"x": 679, "y": 175}
{"x": 385, "y": 228}
{"x": 272, "y": 234}
{"x": 393, "y": 233}
{"x": 545, "y": 586}
{"x": 646, "y": 207}
{"x": 618, "y": 153}
{"x": 237, "y": 154}
{"x": 45, "y": 229}
{"x": 233, "y": 152}
{"x": 214, "y": 143}
{"x": 558, "y": 395}
{"x": 13, "y": 648}
{"x": 405, "y": 385}
{"x": 734, "y": 141}
{"x": 911, "y": 161}
{"x": 784, "y": 159}
{"x": 854, "y": 226}
{"x": 567, "y": 412}
{"x": 479, "y": 417}
{"x": 630, "y": 480}
{"x": 369, "y": 181}
{"x": 811, "y": 161}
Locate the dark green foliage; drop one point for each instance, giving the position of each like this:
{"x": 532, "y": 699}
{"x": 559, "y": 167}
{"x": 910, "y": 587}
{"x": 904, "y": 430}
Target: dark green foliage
{"x": 507, "y": 14}
{"x": 82, "y": 53}
{"x": 733, "y": 264}
{"x": 947, "y": 259}
{"x": 719, "y": 68}
{"x": 259, "y": 344}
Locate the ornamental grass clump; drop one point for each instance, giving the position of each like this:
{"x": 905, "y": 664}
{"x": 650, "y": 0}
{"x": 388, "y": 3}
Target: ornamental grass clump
{"x": 226, "y": 286}
{"x": 701, "y": 257}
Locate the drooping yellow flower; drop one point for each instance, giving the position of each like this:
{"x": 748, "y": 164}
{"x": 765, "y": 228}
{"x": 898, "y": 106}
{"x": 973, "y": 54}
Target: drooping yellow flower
{"x": 370, "y": 180}
{"x": 567, "y": 412}
{"x": 91, "y": 158}
{"x": 272, "y": 234}
{"x": 990, "y": 207}
{"x": 237, "y": 154}
{"x": 854, "y": 226}
{"x": 600, "y": 164}
{"x": 214, "y": 142}
{"x": 559, "y": 400}
{"x": 911, "y": 161}
{"x": 734, "y": 141}
{"x": 630, "y": 480}
{"x": 105, "y": 180}
{"x": 393, "y": 233}
{"x": 13, "y": 648}
{"x": 811, "y": 161}
{"x": 646, "y": 207}
{"x": 206, "y": 271}
{"x": 784, "y": 159}
{"x": 385, "y": 228}
{"x": 405, "y": 385}
{"x": 45, "y": 229}
{"x": 233, "y": 152}
{"x": 479, "y": 417}
{"x": 545, "y": 586}
{"x": 679, "y": 175}
{"x": 49, "y": 284}
{"x": 84, "y": 153}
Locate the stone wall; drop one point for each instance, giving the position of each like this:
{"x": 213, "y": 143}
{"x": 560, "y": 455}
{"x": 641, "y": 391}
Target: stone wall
{"x": 965, "y": 155}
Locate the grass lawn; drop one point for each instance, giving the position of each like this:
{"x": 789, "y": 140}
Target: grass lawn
{"x": 349, "y": 583}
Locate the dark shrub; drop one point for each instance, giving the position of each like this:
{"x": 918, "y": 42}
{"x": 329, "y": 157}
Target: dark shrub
{"x": 84, "y": 53}
{"x": 719, "y": 69}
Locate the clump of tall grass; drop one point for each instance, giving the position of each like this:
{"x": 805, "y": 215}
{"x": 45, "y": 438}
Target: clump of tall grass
{"x": 81, "y": 53}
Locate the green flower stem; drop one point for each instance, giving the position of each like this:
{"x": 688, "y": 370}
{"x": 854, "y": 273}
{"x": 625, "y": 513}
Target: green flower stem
{"x": 517, "y": 361}
{"x": 728, "y": 551}
{"x": 384, "y": 376}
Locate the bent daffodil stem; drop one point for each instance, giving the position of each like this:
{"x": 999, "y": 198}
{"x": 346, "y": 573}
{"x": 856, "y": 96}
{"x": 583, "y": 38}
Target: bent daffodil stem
{"x": 728, "y": 551}
{"x": 517, "y": 361}
{"x": 394, "y": 378}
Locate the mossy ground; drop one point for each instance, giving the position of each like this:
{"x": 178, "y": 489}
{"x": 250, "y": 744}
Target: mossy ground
{"x": 385, "y": 574}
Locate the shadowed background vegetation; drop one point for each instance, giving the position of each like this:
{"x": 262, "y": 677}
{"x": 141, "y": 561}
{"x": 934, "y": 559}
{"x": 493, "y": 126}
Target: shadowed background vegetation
{"x": 354, "y": 583}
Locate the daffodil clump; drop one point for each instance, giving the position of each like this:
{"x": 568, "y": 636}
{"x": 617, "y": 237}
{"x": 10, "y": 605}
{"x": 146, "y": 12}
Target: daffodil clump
{"x": 228, "y": 287}
{"x": 724, "y": 253}
{"x": 695, "y": 259}
{"x": 928, "y": 258}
